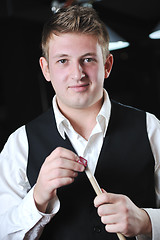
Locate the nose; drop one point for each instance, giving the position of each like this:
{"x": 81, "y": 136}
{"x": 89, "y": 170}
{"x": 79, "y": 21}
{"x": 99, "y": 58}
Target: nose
{"x": 77, "y": 71}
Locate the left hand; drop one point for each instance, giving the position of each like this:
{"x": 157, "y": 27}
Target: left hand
{"x": 121, "y": 215}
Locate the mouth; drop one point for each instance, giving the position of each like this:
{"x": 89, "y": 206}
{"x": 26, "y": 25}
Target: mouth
{"x": 79, "y": 87}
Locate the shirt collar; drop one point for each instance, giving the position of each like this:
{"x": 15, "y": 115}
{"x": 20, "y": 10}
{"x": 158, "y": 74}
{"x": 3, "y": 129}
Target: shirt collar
{"x": 102, "y": 118}
{"x": 104, "y": 114}
{"x": 61, "y": 120}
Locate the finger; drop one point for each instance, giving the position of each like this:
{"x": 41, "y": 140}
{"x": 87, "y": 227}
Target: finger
{"x": 59, "y": 182}
{"x": 59, "y": 158}
{"x": 106, "y": 198}
{"x": 109, "y": 219}
{"x": 106, "y": 209}
{"x": 59, "y": 168}
{"x": 63, "y": 163}
{"x": 102, "y": 199}
{"x": 103, "y": 191}
{"x": 60, "y": 152}
{"x": 117, "y": 228}
{"x": 61, "y": 173}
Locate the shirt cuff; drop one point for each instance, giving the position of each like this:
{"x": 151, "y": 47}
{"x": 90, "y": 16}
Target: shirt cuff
{"x": 154, "y": 215}
{"x": 35, "y": 214}
{"x": 30, "y": 216}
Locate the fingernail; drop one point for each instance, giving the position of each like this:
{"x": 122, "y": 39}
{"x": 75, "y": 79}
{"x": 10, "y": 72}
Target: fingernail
{"x": 76, "y": 158}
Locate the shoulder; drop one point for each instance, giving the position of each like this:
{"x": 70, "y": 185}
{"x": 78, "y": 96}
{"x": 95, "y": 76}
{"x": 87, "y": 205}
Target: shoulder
{"x": 126, "y": 108}
{"x": 127, "y": 114}
{"x": 16, "y": 140}
{"x": 15, "y": 151}
{"x": 43, "y": 119}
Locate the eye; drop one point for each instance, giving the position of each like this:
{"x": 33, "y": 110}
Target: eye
{"x": 62, "y": 61}
{"x": 88, "y": 60}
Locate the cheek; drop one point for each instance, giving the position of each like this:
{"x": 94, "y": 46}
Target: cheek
{"x": 58, "y": 80}
{"x": 92, "y": 72}
{"x": 98, "y": 74}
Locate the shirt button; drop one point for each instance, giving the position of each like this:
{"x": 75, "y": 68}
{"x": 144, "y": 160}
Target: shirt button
{"x": 97, "y": 229}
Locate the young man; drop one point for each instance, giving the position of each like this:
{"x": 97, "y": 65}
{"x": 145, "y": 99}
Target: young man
{"x": 45, "y": 193}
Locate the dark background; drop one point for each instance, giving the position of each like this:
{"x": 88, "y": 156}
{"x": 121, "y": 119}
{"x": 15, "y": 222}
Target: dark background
{"x": 24, "y": 94}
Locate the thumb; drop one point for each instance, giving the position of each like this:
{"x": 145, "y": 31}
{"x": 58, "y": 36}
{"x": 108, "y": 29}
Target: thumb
{"x": 103, "y": 191}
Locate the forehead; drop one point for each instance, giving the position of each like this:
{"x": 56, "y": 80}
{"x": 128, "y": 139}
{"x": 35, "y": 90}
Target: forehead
{"x": 73, "y": 43}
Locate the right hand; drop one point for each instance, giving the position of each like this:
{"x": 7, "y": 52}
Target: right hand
{"x": 59, "y": 169}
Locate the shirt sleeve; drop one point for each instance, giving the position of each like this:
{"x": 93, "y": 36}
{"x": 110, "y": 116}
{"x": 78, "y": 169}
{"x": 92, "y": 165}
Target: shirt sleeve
{"x": 153, "y": 129}
{"x": 19, "y": 217}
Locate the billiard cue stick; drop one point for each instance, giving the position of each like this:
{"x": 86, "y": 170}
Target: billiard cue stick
{"x": 98, "y": 191}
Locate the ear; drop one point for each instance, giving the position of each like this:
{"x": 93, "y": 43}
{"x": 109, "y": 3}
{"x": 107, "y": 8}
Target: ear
{"x": 45, "y": 69}
{"x": 108, "y": 65}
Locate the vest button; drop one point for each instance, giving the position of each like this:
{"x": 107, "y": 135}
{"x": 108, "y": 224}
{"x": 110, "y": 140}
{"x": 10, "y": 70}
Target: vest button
{"x": 97, "y": 229}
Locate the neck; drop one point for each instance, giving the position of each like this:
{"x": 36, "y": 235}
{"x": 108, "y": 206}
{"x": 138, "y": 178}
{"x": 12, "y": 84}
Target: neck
{"x": 83, "y": 120}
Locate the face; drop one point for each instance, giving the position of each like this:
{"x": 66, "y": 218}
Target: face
{"x": 76, "y": 70}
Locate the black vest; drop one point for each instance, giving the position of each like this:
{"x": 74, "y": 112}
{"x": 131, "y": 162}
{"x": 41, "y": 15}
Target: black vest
{"x": 125, "y": 166}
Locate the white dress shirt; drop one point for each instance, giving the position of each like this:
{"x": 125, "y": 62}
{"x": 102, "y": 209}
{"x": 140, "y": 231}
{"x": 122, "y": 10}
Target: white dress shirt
{"x": 19, "y": 217}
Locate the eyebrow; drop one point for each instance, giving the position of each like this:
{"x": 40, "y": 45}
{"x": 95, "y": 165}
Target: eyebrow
{"x": 90, "y": 54}
{"x": 66, "y": 55}
{"x": 60, "y": 55}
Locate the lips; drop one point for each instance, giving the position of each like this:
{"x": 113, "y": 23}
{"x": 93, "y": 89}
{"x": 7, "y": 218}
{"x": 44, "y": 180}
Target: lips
{"x": 79, "y": 87}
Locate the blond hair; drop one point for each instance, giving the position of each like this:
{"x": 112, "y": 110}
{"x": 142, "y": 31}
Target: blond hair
{"x": 76, "y": 19}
